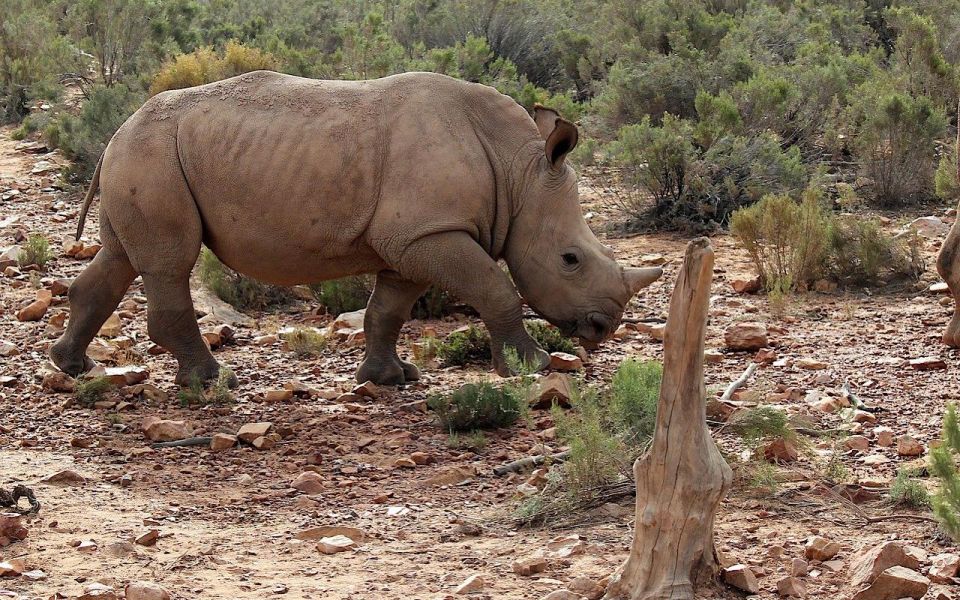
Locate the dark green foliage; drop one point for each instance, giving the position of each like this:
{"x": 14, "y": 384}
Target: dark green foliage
{"x": 238, "y": 290}
{"x": 216, "y": 392}
{"x": 463, "y": 347}
{"x": 36, "y": 251}
{"x": 909, "y": 492}
{"x": 549, "y": 337}
{"x": 343, "y": 295}
{"x": 482, "y": 405}
{"x": 943, "y": 465}
{"x": 90, "y": 391}
{"x": 83, "y": 138}
{"x": 761, "y": 423}
{"x": 306, "y": 343}
{"x": 634, "y": 394}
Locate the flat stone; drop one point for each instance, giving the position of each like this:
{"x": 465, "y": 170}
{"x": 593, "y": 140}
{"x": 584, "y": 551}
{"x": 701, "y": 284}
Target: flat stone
{"x": 251, "y": 431}
{"x": 742, "y": 578}
{"x": 895, "y": 583}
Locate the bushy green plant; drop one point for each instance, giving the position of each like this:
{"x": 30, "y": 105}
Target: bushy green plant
{"x": 205, "y": 65}
{"x": 90, "y": 391}
{"x": 463, "y": 347}
{"x": 35, "y": 252}
{"x": 633, "y": 396}
{"x": 943, "y": 465}
{"x": 761, "y": 423}
{"x": 240, "y": 291}
{"x": 306, "y": 343}
{"x": 909, "y": 492}
{"x": 343, "y": 295}
{"x": 473, "y": 406}
{"x": 597, "y": 455}
{"x": 83, "y": 138}
{"x": 549, "y": 337}
{"x": 216, "y": 392}
{"x": 861, "y": 253}
{"x": 945, "y": 182}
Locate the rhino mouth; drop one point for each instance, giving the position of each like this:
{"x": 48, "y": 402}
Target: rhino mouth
{"x": 596, "y": 327}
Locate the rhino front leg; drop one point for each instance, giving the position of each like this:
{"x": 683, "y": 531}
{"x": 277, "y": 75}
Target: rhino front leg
{"x": 387, "y": 310}
{"x": 948, "y": 266}
{"x": 456, "y": 263}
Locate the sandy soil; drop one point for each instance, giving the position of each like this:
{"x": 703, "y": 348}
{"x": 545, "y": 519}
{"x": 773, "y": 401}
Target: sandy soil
{"x": 228, "y": 520}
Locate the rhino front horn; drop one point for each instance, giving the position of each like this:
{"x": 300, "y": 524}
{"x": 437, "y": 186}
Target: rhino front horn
{"x": 637, "y": 279}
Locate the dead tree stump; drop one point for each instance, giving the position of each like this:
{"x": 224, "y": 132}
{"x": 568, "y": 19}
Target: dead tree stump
{"x": 683, "y": 477}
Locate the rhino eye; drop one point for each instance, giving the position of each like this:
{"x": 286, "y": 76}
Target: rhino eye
{"x": 570, "y": 259}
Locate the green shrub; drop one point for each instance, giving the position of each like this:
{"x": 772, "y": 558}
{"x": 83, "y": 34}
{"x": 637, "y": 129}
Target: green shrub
{"x": 474, "y": 441}
{"x": 906, "y": 491}
{"x": 83, "y": 138}
{"x": 861, "y": 253}
{"x": 217, "y": 392}
{"x": 786, "y": 241}
{"x": 475, "y": 406}
{"x": 761, "y": 423}
{"x": 35, "y": 252}
{"x": 943, "y": 465}
{"x": 343, "y": 295}
{"x": 204, "y": 65}
{"x": 90, "y": 391}
{"x": 597, "y": 454}
{"x": 945, "y": 181}
{"x": 306, "y": 343}
{"x": 463, "y": 347}
{"x": 549, "y": 337}
{"x": 238, "y": 290}
{"x": 634, "y": 394}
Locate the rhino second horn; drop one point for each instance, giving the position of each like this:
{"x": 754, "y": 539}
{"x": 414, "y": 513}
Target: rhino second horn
{"x": 637, "y": 279}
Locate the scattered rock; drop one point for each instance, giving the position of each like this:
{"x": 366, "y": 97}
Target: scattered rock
{"x": 745, "y": 336}
{"x": 928, "y": 363}
{"x": 780, "y": 450}
{"x": 33, "y": 311}
{"x": 562, "y": 595}
{"x": 818, "y": 548}
{"x": 586, "y": 587}
{"x": 799, "y": 567}
{"x": 329, "y": 531}
{"x": 884, "y": 436}
{"x": 251, "y": 431}
{"x": 7, "y": 349}
{"x": 148, "y": 538}
{"x": 857, "y": 442}
{"x": 58, "y": 381}
{"x": 308, "y": 482}
{"x": 222, "y": 441}
{"x": 471, "y": 585}
{"x": 895, "y": 583}
{"x": 450, "y": 476}
{"x": 746, "y": 286}
{"x": 909, "y": 446}
{"x": 561, "y": 361}
{"x": 554, "y": 388}
{"x": 145, "y": 590}
{"x": 943, "y": 568}
{"x": 929, "y": 227}
{"x": 66, "y": 477}
{"x": 165, "y": 430}
{"x": 742, "y": 578}
{"x": 11, "y": 529}
{"x": 869, "y": 563}
{"x": 336, "y": 543}
{"x": 530, "y": 565}
{"x": 278, "y": 395}
{"x": 112, "y": 327}
{"x": 810, "y": 364}
{"x": 791, "y": 587}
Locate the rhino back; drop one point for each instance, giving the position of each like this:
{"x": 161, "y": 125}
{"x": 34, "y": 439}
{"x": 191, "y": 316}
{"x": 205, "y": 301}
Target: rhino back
{"x": 299, "y": 179}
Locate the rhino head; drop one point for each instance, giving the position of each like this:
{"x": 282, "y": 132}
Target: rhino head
{"x": 560, "y": 268}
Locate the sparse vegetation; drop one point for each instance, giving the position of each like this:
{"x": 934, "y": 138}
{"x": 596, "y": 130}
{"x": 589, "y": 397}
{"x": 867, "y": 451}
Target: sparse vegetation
{"x": 463, "y": 347}
{"x": 793, "y": 244}
{"x": 216, "y": 392}
{"x": 36, "y": 251}
{"x": 306, "y": 343}
{"x": 943, "y": 465}
{"x": 90, "y": 391}
{"x": 549, "y": 337}
{"x": 761, "y": 423}
{"x": 474, "y": 441}
{"x": 909, "y": 492}
{"x": 482, "y": 405}
{"x": 238, "y": 290}
{"x": 343, "y": 295}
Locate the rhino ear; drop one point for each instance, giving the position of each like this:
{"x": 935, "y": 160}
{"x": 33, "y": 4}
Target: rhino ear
{"x": 546, "y": 120}
{"x": 561, "y": 141}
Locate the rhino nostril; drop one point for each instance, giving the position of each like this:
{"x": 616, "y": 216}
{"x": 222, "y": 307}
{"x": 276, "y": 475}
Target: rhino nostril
{"x": 600, "y": 323}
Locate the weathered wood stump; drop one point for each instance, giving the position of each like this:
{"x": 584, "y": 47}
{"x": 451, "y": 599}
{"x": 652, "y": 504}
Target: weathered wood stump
{"x": 683, "y": 477}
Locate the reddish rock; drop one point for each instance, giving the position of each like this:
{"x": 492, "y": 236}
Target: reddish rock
{"x": 561, "y": 361}
{"x": 11, "y": 529}
{"x": 222, "y": 441}
{"x": 251, "y": 431}
{"x": 145, "y": 590}
{"x": 895, "y": 583}
{"x": 791, "y": 587}
{"x": 742, "y": 578}
{"x": 555, "y": 388}
{"x": 530, "y": 565}
{"x": 818, "y": 548}
{"x": 746, "y": 336}
{"x": 780, "y": 450}
{"x": 308, "y": 482}
{"x": 928, "y": 363}
{"x": 869, "y": 563}
{"x": 943, "y": 568}
{"x": 165, "y": 430}
{"x": 33, "y": 311}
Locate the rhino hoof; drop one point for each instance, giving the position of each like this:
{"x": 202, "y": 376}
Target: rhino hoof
{"x": 387, "y": 373}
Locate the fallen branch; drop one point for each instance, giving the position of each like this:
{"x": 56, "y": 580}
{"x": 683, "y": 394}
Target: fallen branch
{"x": 529, "y": 462}
{"x": 11, "y": 499}
{"x": 738, "y": 382}
{"x": 855, "y": 400}
{"x": 194, "y": 441}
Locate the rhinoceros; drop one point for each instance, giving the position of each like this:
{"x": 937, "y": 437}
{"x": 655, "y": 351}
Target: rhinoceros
{"x": 420, "y": 178}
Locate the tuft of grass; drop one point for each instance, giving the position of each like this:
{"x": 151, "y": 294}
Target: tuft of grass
{"x": 463, "y": 347}
{"x": 474, "y": 406}
{"x": 634, "y": 394}
{"x": 761, "y": 423}
{"x": 240, "y": 291}
{"x": 474, "y": 441}
{"x": 597, "y": 455}
{"x": 907, "y": 491}
{"x": 35, "y": 252}
{"x": 217, "y": 393}
{"x": 763, "y": 477}
{"x": 425, "y": 351}
{"x": 90, "y": 391}
{"x": 549, "y": 337}
{"x": 306, "y": 343}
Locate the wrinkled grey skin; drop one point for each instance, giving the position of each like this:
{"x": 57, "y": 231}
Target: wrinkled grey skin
{"x": 419, "y": 178}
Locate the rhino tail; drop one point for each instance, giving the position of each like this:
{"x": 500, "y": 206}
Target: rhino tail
{"x": 91, "y": 191}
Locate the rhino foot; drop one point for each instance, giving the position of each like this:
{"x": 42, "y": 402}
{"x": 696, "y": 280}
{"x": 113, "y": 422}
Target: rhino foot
{"x": 387, "y": 372}
{"x": 70, "y": 363}
{"x": 205, "y": 374}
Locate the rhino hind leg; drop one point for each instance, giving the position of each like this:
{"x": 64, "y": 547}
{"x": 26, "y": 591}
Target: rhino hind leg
{"x": 948, "y": 266}
{"x": 94, "y": 295}
{"x": 387, "y": 310}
